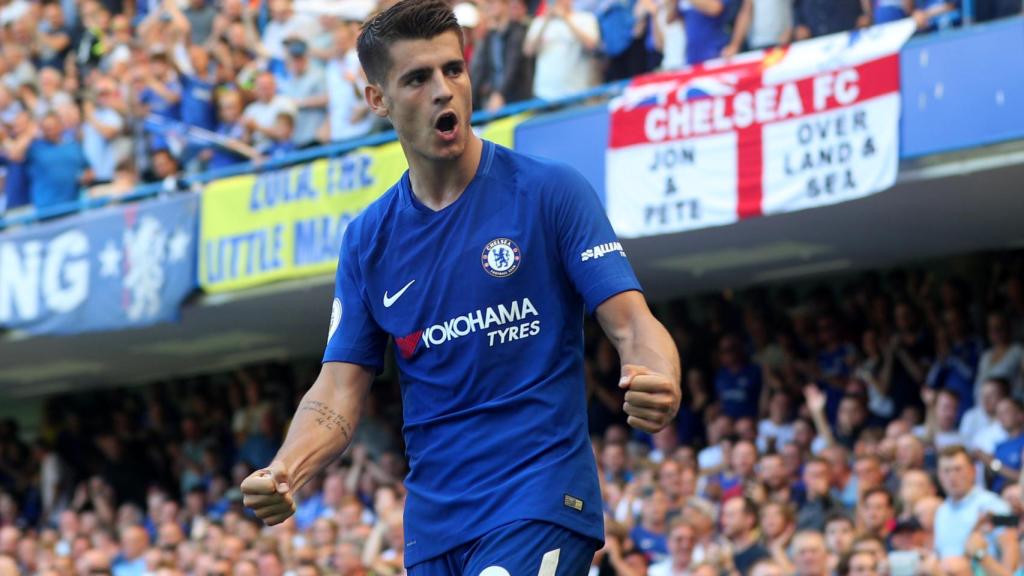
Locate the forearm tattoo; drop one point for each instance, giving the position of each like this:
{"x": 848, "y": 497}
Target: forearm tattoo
{"x": 327, "y": 417}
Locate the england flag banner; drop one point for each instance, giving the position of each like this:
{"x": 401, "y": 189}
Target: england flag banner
{"x": 764, "y": 133}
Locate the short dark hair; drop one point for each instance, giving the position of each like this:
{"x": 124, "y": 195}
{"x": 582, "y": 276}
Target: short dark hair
{"x": 1001, "y": 383}
{"x": 948, "y": 392}
{"x": 878, "y": 490}
{"x": 750, "y": 508}
{"x": 406, "y": 20}
{"x": 837, "y": 517}
{"x": 1016, "y": 403}
{"x": 845, "y": 563}
{"x": 953, "y": 451}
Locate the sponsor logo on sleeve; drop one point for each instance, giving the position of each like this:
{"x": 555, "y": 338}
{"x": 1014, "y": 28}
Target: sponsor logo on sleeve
{"x": 601, "y": 250}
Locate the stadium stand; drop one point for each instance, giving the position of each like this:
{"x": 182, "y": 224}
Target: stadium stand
{"x": 821, "y": 419}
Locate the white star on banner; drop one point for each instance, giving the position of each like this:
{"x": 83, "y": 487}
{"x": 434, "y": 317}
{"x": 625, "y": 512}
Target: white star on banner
{"x": 178, "y": 245}
{"x": 110, "y": 260}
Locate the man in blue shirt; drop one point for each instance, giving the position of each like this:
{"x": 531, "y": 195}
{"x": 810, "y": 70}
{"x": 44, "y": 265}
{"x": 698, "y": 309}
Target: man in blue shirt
{"x": 19, "y": 136}
{"x": 1005, "y": 463}
{"x": 815, "y": 18}
{"x": 738, "y": 382}
{"x": 707, "y": 24}
{"x": 479, "y": 263}
{"x": 56, "y": 168}
{"x": 891, "y": 10}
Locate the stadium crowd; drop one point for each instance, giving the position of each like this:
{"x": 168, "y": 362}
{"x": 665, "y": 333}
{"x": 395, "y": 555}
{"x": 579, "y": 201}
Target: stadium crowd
{"x": 873, "y": 427}
{"x": 98, "y": 96}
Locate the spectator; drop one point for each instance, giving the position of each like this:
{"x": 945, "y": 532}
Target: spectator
{"x": 159, "y": 94}
{"x": 282, "y": 143}
{"x": 776, "y": 482}
{"x": 19, "y": 68}
{"x": 818, "y": 503}
{"x": 682, "y": 539}
{"x": 303, "y": 84}
{"x": 56, "y": 168}
{"x": 51, "y": 95}
{"x": 651, "y": 537}
{"x": 777, "y": 430}
{"x": 891, "y": 10}
{"x": 200, "y": 15}
{"x": 199, "y": 81}
{"x": 1005, "y": 463}
{"x": 613, "y": 463}
{"x": 859, "y": 564}
{"x": 707, "y": 24}
{"x": 285, "y": 23}
{"x": 915, "y": 486}
{"x": 777, "y": 529}
{"x": 739, "y": 526}
{"x": 231, "y": 148}
{"x": 500, "y": 69}
{"x": 820, "y": 17}
{"x": 103, "y": 125}
{"x": 712, "y": 457}
{"x": 769, "y": 22}
{"x": 942, "y": 409}
{"x": 876, "y": 371}
{"x": 965, "y": 504}
{"x": 809, "y": 554}
{"x": 16, "y": 140}
{"x": 982, "y": 416}
{"x": 1003, "y": 359}
{"x": 166, "y": 172}
{"x": 90, "y": 48}
{"x": 766, "y": 568}
{"x": 260, "y": 117}
{"x": 741, "y": 473}
{"x": 563, "y": 41}
{"x": 53, "y": 38}
{"x": 868, "y": 473}
{"x": 738, "y": 382}
{"x": 839, "y": 537}
{"x": 957, "y": 355}
{"x": 348, "y": 114}
{"x": 131, "y": 561}
{"x": 877, "y": 513}
{"x": 933, "y": 14}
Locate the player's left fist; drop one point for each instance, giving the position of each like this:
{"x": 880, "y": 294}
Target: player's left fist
{"x": 652, "y": 399}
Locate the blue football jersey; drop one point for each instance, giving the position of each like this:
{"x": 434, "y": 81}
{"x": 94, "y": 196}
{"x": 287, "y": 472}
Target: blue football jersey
{"x": 485, "y": 301}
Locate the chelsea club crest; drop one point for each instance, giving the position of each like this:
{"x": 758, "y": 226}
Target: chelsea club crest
{"x": 501, "y": 257}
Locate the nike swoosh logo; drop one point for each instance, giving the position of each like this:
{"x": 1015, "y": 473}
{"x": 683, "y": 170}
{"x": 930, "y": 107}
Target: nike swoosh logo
{"x": 390, "y": 300}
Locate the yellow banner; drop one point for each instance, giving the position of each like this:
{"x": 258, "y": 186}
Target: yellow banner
{"x": 288, "y": 223}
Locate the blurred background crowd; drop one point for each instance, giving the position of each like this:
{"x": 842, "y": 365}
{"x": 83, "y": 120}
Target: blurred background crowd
{"x": 869, "y": 425}
{"x": 99, "y": 96}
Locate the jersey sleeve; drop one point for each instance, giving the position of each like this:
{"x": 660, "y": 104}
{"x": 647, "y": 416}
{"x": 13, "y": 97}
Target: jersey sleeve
{"x": 590, "y": 251}
{"x": 354, "y": 336}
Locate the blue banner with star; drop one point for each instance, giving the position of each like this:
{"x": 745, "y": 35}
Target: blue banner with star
{"x": 118, "y": 267}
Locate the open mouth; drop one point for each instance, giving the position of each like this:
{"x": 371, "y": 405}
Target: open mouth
{"x": 446, "y": 123}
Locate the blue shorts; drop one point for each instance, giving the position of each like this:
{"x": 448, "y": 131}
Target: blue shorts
{"x": 521, "y": 548}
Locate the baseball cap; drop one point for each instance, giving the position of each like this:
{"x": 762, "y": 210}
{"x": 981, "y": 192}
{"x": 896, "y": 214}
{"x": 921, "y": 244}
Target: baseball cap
{"x": 296, "y": 47}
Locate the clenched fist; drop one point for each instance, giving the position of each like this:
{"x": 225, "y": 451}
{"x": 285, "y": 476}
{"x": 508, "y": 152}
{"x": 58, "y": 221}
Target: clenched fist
{"x": 268, "y": 494}
{"x": 652, "y": 399}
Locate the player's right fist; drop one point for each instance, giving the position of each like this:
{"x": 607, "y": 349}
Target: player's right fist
{"x": 268, "y": 494}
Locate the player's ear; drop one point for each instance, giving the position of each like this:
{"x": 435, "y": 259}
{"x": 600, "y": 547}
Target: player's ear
{"x": 374, "y": 95}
